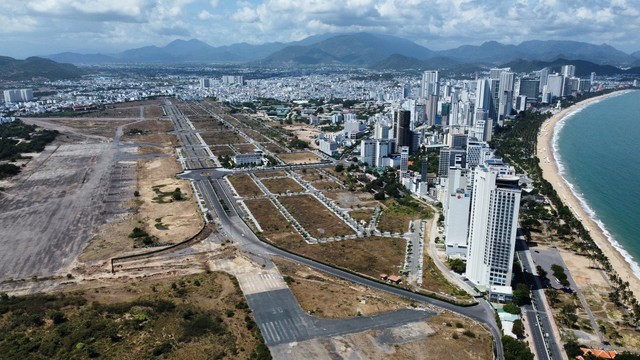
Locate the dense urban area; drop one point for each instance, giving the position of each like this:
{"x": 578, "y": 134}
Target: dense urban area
{"x": 204, "y": 211}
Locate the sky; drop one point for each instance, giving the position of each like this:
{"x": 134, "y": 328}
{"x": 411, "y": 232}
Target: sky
{"x": 43, "y": 27}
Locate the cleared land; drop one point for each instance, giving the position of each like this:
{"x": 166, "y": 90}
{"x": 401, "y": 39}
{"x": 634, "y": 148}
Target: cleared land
{"x": 270, "y": 174}
{"x": 303, "y": 157}
{"x": 245, "y": 148}
{"x": 326, "y": 185}
{"x": 222, "y": 150}
{"x": 244, "y": 185}
{"x": 310, "y": 174}
{"x": 362, "y": 215}
{"x": 274, "y": 225}
{"x": 282, "y": 185}
{"x": 395, "y": 217}
{"x": 195, "y": 317}
{"x": 150, "y": 131}
{"x": 316, "y": 218}
{"x": 221, "y": 137}
{"x": 353, "y": 200}
{"x": 327, "y": 296}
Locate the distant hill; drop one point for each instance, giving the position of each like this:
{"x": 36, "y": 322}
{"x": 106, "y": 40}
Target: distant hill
{"x": 398, "y": 62}
{"x": 362, "y": 49}
{"x": 12, "y": 69}
{"x": 583, "y": 68}
{"x": 445, "y": 65}
{"x": 495, "y": 53}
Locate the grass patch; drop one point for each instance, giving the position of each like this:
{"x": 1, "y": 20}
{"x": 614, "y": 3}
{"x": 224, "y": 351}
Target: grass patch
{"x": 398, "y": 213}
{"x": 316, "y": 218}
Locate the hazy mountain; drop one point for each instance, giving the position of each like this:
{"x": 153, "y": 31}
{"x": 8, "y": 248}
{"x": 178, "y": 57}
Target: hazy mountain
{"x": 398, "y": 62}
{"x": 636, "y": 54}
{"x": 495, "y": 53}
{"x": 359, "y": 49}
{"x": 362, "y": 49}
{"x": 12, "y": 69}
{"x": 583, "y": 68}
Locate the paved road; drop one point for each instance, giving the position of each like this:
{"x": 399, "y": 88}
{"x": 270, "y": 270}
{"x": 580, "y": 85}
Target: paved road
{"x": 547, "y": 346}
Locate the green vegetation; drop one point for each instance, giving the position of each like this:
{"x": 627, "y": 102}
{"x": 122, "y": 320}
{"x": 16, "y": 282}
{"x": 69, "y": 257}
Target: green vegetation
{"x": 558, "y": 272}
{"x": 17, "y": 138}
{"x": 331, "y": 128}
{"x": 515, "y": 349}
{"x": 511, "y": 308}
{"x": 155, "y": 321}
{"x": 518, "y": 329}
{"x": 8, "y": 170}
{"x": 175, "y": 195}
{"x": 298, "y": 144}
{"x": 521, "y": 295}
{"x": 457, "y": 265}
{"x": 142, "y": 238}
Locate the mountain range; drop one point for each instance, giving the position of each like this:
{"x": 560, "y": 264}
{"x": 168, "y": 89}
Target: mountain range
{"x": 359, "y": 49}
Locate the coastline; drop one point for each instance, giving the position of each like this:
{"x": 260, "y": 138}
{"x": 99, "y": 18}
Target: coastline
{"x": 551, "y": 172}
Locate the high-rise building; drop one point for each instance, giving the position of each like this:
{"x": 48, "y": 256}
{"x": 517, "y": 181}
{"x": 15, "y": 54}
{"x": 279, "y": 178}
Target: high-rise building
{"x": 406, "y": 90}
{"x": 483, "y": 95}
{"x": 529, "y": 88}
{"x": 505, "y": 94}
{"x": 430, "y": 83}
{"x": 402, "y": 128}
{"x": 368, "y": 151}
{"x": 593, "y": 78}
{"x": 555, "y": 84}
{"x": 449, "y": 158}
{"x": 544, "y": 74}
{"x": 17, "y": 95}
{"x": 493, "y": 224}
{"x": 404, "y": 161}
{"x": 381, "y": 131}
{"x": 432, "y": 109}
{"x": 205, "y": 83}
{"x": 456, "y": 210}
{"x": 568, "y": 70}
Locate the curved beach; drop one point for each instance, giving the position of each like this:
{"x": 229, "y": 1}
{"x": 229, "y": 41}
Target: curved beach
{"x": 551, "y": 173}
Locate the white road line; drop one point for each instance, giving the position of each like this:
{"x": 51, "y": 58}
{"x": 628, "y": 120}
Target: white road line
{"x": 273, "y": 329}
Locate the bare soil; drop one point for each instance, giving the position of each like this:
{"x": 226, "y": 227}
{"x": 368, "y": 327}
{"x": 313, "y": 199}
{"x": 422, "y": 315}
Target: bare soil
{"x": 244, "y": 185}
{"x": 316, "y": 218}
{"x": 282, "y": 185}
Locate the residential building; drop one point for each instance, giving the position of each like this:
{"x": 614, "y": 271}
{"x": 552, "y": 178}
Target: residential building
{"x": 493, "y": 224}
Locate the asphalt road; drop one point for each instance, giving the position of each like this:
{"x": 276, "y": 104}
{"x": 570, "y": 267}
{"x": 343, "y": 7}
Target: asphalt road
{"x": 536, "y": 314}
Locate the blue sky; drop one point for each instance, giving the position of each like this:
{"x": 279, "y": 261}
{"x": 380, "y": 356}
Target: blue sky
{"x": 39, "y": 27}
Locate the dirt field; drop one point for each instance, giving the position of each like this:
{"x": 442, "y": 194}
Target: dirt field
{"x": 129, "y": 110}
{"x": 244, "y": 185}
{"x": 168, "y": 220}
{"x": 153, "y": 131}
{"x": 97, "y": 127}
{"x": 245, "y": 148}
{"x": 221, "y": 137}
{"x": 222, "y": 150}
{"x": 310, "y": 174}
{"x": 270, "y": 174}
{"x": 315, "y": 217}
{"x": 282, "y": 185}
{"x": 276, "y": 228}
{"x": 303, "y": 157}
{"x": 351, "y": 200}
{"x": 326, "y": 296}
{"x": 192, "y": 317}
{"x": 326, "y": 185}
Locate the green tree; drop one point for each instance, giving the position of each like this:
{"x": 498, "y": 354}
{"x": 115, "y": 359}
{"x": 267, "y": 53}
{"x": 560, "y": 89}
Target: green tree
{"x": 518, "y": 329}
{"x": 521, "y": 295}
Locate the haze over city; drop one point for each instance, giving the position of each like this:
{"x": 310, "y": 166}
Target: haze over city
{"x": 42, "y": 27}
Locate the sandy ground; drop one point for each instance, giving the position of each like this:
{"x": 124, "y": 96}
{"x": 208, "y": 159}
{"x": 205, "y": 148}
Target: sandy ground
{"x": 551, "y": 174}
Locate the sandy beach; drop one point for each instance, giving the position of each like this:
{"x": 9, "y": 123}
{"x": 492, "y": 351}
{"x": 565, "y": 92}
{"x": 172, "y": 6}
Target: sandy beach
{"x": 551, "y": 173}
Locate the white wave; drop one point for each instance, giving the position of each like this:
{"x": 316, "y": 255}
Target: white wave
{"x": 635, "y": 267}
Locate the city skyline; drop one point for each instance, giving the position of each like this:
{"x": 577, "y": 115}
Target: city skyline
{"x": 51, "y": 26}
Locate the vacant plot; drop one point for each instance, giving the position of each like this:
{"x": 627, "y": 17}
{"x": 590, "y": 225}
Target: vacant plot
{"x": 151, "y": 131}
{"x": 274, "y": 225}
{"x": 255, "y": 135}
{"x": 282, "y": 185}
{"x": 327, "y": 296}
{"x": 303, "y": 157}
{"x": 362, "y": 215}
{"x": 326, "y": 185}
{"x": 270, "y": 174}
{"x": 193, "y": 317}
{"x": 310, "y": 174}
{"x": 204, "y": 123}
{"x": 371, "y": 256}
{"x": 222, "y": 150}
{"x": 395, "y": 217}
{"x": 221, "y": 137}
{"x": 276, "y": 149}
{"x": 245, "y": 148}
{"x": 316, "y": 218}
{"x": 244, "y": 185}
{"x": 353, "y": 200}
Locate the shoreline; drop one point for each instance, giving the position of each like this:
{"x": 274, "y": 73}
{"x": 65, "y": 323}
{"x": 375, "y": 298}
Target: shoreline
{"x": 551, "y": 172}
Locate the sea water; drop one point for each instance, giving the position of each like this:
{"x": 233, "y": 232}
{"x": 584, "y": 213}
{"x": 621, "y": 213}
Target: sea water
{"x": 598, "y": 151}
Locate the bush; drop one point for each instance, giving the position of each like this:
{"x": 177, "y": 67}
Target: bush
{"x": 511, "y": 308}
{"x": 457, "y": 265}
{"x": 459, "y": 325}
{"x": 161, "y": 349}
{"x": 137, "y": 233}
{"x": 518, "y": 329}
{"x": 57, "y": 317}
{"x": 200, "y": 325}
{"x": 469, "y": 333}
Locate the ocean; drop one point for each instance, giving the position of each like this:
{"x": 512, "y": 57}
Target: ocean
{"x": 598, "y": 152}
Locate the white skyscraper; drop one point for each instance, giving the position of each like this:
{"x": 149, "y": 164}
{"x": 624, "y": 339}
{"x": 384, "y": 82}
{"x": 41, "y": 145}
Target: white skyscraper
{"x": 493, "y": 224}
{"x": 456, "y": 210}
{"x": 430, "y": 83}
{"x": 483, "y": 95}
{"x": 404, "y": 161}
{"x": 368, "y": 151}
{"x": 505, "y": 94}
